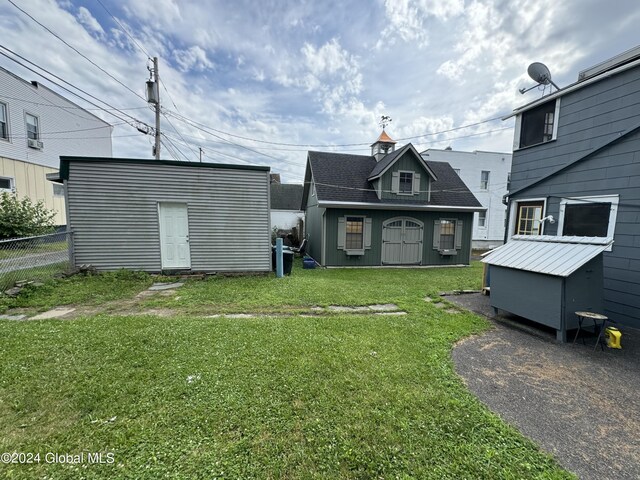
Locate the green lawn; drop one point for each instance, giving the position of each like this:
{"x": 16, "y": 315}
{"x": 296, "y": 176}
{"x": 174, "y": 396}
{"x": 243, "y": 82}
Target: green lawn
{"x": 336, "y": 396}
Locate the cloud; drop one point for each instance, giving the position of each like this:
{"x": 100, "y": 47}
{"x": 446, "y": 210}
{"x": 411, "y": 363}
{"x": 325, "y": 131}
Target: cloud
{"x": 193, "y": 58}
{"x": 89, "y": 21}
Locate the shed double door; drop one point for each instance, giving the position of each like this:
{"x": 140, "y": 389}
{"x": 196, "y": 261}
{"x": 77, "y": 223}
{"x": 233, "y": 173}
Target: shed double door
{"x": 402, "y": 241}
{"x": 174, "y": 236}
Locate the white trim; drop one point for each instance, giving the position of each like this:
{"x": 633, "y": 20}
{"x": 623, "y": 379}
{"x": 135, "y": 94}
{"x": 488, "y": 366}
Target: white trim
{"x": 513, "y": 213}
{"x": 556, "y": 119}
{"x": 399, "y": 206}
{"x": 554, "y": 135}
{"x": 12, "y": 184}
{"x": 572, "y": 88}
{"x": 406, "y": 194}
{"x": 6, "y": 121}
{"x": 613, "y": 212}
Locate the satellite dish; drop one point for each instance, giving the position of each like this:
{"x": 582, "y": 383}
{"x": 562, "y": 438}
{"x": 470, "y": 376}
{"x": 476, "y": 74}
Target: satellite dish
{"x": 540, "y": 74}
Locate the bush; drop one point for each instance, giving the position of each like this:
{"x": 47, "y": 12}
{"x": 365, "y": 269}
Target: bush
{"x": 23, "y": 218}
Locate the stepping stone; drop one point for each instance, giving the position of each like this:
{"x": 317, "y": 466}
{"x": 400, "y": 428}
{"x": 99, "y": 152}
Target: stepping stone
{"x": 391, "y": 313}
{"x": 240, "y": 315}
{"x": 428, "y": 299}
{"x": 317, "y": 309}
{"x": 337, "y": 308}
{"x": 55, "y": 313}
{"x": 440, "y": 305}
{"x": 387, "y": 307}
{"x": 452, "y": 310}
{"x": 13, "y": 317}
{"x": 164, "y": 286}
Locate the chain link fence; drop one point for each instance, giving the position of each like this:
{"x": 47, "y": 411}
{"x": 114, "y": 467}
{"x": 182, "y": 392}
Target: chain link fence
{"x": 34, "y": 258}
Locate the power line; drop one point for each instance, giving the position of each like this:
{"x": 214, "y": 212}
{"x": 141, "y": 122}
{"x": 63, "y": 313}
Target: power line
{"x": 67, "y": 107}
{"x": 77, "y": 51}
{"x": 125, "y": 30}
{"x": 134, "y": 119}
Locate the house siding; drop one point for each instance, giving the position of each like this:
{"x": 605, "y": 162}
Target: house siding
{"x": 373, "y": 256}
{"x": 588, "y": 118}
{"x": 113, "y": 211}
{"x": 614, "y": 170}
{"x": 406, "y": 162}
{"x": 313, "y": 227}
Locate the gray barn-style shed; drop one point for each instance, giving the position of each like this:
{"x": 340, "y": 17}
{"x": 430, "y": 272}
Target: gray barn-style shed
{"x": 156, "y": 215}
{"x": 547, "y": 279}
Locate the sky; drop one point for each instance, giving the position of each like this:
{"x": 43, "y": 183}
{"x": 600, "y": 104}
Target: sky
{"x": 262, "y": 82}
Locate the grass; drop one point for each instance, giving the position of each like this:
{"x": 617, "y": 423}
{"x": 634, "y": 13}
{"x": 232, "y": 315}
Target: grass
{"x": 339, "y": 396}
{"x": 25, "y": 248}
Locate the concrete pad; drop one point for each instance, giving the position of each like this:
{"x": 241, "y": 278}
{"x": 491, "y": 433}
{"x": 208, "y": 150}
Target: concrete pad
{"x": 165, "y": 286}
{"x": 387, "y": 307}
{"x": 55, "y": 313}
{"x": 12, "y": 317}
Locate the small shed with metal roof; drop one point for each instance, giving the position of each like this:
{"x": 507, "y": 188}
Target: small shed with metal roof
{"x": 547, "y": 279}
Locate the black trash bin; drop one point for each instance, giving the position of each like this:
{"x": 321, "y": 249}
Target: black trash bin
{"x": 287, "y": 260}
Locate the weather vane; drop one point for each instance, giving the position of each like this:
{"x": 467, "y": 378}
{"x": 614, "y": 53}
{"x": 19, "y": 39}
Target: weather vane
{"x": 385, "y": 120}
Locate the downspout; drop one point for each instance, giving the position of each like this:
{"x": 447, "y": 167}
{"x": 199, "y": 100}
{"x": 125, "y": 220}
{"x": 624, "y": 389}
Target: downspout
{"x": 505, "y": 201}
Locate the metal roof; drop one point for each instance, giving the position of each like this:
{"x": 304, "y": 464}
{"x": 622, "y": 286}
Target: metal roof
{"x": 558, "y": 256}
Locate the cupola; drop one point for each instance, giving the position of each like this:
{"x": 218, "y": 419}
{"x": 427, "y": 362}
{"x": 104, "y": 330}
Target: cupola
{"x": 382, "y": 146}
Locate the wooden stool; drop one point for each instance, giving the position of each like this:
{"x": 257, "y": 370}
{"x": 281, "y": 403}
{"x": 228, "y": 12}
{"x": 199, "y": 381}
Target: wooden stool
{"x": 596, "y": 317}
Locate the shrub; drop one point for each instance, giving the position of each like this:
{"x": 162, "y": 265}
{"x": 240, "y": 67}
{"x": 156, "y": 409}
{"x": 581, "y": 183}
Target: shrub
{"x": 23, "y": 218}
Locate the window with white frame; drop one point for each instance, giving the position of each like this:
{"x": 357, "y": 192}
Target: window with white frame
{"x": 406, "y": 183}
{"x": 484, "y": 180}
{"x": 4, "y": 122}
{"x": 538, "y": 125}
{"x": 33, "y": 129}
{"x": 588, "y": 216}
{"x": 6, "y": 184}
{"x": 529, "y": 218}
{"x": 482, "y": 219}
{"x": 447, "y": 234}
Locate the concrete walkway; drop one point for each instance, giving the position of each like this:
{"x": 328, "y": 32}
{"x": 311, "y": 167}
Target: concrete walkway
{"x": 580, "y": 405}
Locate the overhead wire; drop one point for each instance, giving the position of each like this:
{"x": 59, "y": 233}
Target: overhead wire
{"x": 77, "y": 51}
{"x": 124, "y": 30}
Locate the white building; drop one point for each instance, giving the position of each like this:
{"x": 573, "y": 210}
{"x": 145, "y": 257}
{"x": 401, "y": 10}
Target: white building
{"x": 486, "y": 174}
{"x": 37, "y": 126}
{"x": 286, "y": 201}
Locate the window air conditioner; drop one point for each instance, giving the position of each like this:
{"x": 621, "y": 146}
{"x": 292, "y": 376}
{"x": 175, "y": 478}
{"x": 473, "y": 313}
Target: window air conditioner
{"x": 35, "y": 143}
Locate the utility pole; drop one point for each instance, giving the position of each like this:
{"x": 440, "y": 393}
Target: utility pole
{"x": 157, "y": 80}
{"x": 153, "y": 97}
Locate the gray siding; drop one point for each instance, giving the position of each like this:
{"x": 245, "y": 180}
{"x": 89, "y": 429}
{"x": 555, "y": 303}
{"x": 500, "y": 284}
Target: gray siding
{"x": 588, "y": 118}
{"x": 313, "y": 226}
{"x": 113, "y": 211}
{"x": 407, "y": 163}
{"x": 373, "y": 256}
{"x": 614, "y": 170}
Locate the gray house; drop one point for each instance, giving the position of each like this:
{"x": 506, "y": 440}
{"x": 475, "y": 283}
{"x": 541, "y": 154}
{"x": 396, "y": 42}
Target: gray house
{"x": 576, "y": 158}
{"x": 392, "y": 207}
{"x": 156, "y": 215}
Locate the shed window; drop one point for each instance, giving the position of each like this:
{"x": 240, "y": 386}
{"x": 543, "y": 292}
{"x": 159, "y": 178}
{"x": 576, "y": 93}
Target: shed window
{"x": 58, "y": 190}
{"x": 355, "y": 233}
{"x": 447, "y": 234}
{"x": 538, "y": 125}
{"x": 33, "y": 132}
{"x": 4, "y": 122}
{"x": 406, "y": 182}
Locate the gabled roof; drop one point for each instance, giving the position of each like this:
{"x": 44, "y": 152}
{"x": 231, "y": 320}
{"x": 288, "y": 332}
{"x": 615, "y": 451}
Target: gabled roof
{"x": 286, "y": 196}
{"x": 385, "y": 163}
{"x": 344, "y": 179}
{"x": 550, "y": 255}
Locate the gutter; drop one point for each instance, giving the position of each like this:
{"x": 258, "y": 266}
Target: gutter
{"x": 399, "y": 206}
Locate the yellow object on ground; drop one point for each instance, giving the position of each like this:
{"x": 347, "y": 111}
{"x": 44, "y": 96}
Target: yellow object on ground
{"x": 613, "y": 337}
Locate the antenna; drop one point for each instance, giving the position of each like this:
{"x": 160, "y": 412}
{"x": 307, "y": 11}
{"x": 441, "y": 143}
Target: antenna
{"x": 540, "y": 74}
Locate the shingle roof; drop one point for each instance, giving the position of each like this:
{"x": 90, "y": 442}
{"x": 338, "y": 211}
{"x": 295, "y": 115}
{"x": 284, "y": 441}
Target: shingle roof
{"x": 386, "y": 161}
{"x": 342, "y": 177}
{"x": 286, "y": 196}
{"x": 558, "y": 256}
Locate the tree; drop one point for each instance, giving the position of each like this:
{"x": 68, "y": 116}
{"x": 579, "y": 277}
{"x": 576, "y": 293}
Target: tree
{"x": 23, "y": 218}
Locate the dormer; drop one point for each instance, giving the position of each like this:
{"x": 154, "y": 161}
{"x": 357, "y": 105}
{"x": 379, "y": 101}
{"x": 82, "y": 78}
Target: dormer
{"x": 382, "y": 146}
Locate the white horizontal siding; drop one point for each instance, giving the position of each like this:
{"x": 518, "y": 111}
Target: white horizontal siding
{"x": 113, "y": 210}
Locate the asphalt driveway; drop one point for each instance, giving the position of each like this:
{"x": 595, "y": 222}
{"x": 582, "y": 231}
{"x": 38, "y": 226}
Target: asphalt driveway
{"x": 580, "y": 405}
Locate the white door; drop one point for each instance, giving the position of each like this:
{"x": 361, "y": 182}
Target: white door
{"x": 402, "y": 242}
{"x": 174, "y": 236}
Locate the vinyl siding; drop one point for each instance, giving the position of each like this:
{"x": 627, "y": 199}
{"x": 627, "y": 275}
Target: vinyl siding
{"x": 373, "y": 256}
{"x": 588, "y": 118}
{"x": 410, "y": 164}
{"x": 615, "y": 170}
{"x": 113, "y": 211}
{"x": 313, "y": 227}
